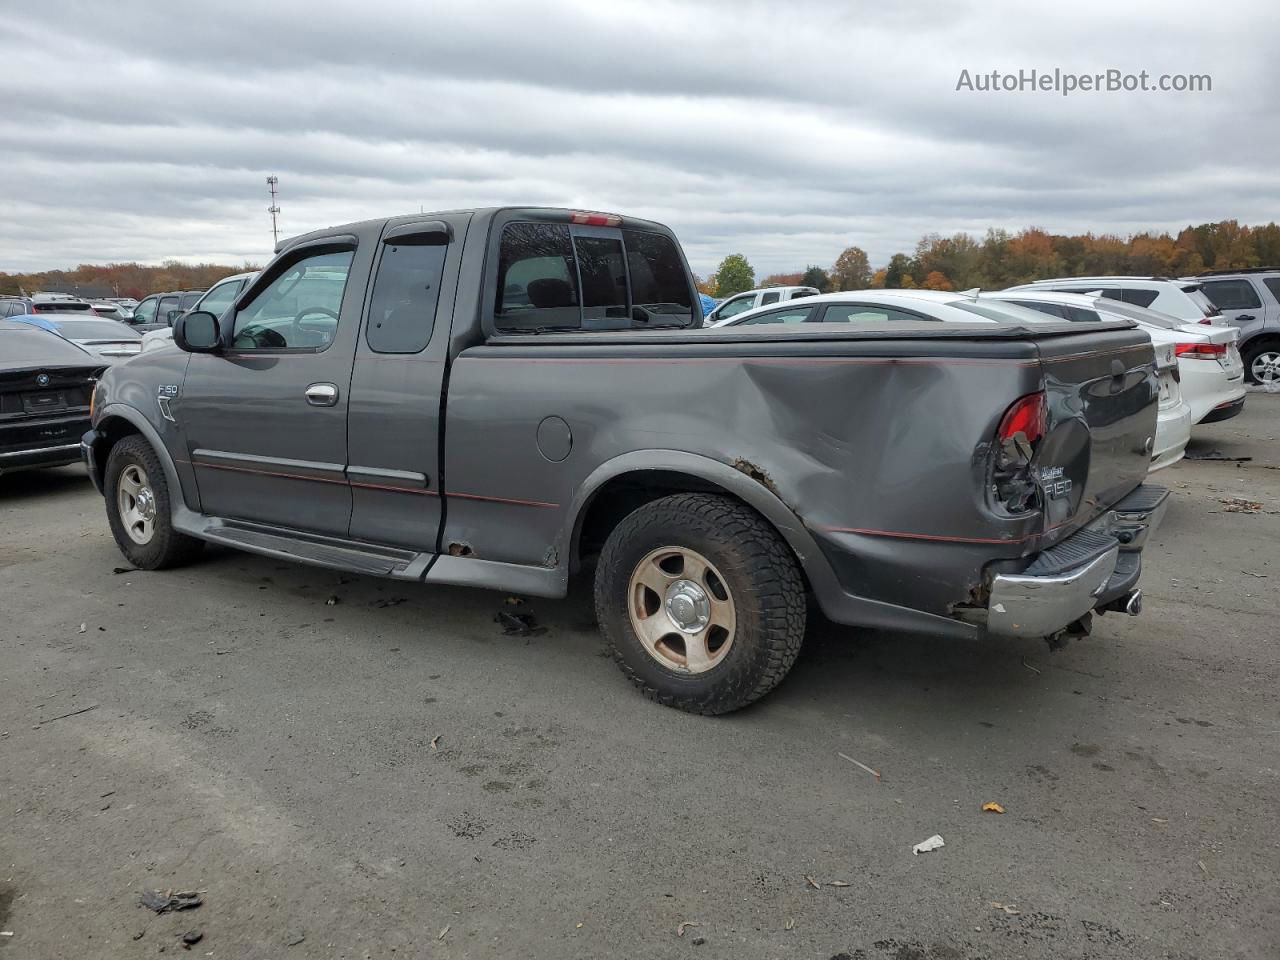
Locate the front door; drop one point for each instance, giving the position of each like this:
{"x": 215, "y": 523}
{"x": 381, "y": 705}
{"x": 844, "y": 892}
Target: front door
{"x": 397, "y": 382}
{"x": 266, "y": 419}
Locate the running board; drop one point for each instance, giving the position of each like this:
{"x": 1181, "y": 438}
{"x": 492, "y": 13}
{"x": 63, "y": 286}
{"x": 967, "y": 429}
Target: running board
{"x": 334, "y": 552}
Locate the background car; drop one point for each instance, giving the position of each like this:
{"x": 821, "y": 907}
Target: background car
{"x": 111, "y": 310}
{"x": 59, "y": 303}
{"x": 107, "y": 339}
{"x": 1250, "y": 301}
{"x": 753, "y": 299}
{"x": 1183, "y": 299}
{"x": 14, "y": 306}
{"x": 216, "y": 300}
{"x": 45, "y": 387}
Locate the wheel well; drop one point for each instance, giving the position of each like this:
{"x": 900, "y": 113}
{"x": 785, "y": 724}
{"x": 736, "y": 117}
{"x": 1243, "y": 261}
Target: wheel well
{"x": 622, "y": 494}
{"x": 112, "y": 430}
{"x": 1261, "y": 340}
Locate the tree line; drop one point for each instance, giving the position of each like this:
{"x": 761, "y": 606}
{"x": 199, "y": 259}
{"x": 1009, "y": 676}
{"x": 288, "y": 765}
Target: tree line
{"x": 122, "y": 279}
{"x": 1001, "y": 259}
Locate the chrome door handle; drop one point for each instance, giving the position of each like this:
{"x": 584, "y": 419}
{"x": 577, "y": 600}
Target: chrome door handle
{"x": 322, "y": 394}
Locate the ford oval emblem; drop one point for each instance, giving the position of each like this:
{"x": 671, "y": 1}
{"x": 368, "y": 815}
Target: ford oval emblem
{"x": 42, "y": 380}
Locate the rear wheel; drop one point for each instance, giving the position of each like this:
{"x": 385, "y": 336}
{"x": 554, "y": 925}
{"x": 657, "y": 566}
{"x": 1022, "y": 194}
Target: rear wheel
{"x": 701, "y": 601}
{"x": 1262, "y": 362}
{"x": 139, "y": 508}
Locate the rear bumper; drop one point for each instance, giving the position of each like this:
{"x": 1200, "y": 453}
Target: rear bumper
{"x": 41, "y": 442}
{"x": 1224, "y": 411}
{"x": 1095, "y": 567}
{"x": 1173, "y": 431}
{"x": 53, "y": 456}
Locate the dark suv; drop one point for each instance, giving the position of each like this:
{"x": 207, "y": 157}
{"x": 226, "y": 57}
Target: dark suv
{"x": 158, "y": 311}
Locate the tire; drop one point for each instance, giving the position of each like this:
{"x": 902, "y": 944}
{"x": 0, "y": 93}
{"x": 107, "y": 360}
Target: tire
{"x": 748, "y": 578}
{"x": 164, "y": 547}
{"x": 1256, "y": 351}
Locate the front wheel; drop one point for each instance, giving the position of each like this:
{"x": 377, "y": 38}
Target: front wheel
{"x": 701, "y": 601}
{"x": 139, "y": 508}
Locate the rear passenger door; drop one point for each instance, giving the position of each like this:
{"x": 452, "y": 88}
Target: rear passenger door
{"x": 397, "y": 384}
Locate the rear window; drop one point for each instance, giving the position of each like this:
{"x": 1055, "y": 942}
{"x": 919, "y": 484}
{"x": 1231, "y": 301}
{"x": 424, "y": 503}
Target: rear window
{"x": 59, "y": 306}
{"x": 1134, "y": 295}
{"x": 870, "y": 315}
{"x": 1273, "y": 285}
{"x": 1197, "y": 296}
{"x": 1052, "y": 309}
{"x": 1231, "y": 294}
{"x": 1000, "y": 312}
{"x": 77, "y": 329}
{"x": 550, "y": 279}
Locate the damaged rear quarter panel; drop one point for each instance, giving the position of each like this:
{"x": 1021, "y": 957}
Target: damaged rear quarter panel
{"x": 882, "y": 436}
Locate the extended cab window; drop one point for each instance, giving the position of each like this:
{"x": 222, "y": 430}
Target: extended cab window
{"x": 768, "y": 298}
{"x": 298, "y": 309}
{"x": 402, "y": 311}
{"x": 735, "y": 307}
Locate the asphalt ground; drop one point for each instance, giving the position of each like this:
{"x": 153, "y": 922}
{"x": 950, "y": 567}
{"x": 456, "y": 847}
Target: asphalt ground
{"x": 391, "y": 775}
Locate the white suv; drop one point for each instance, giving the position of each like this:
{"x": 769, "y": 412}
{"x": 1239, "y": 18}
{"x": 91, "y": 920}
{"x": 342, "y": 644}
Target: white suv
{"x": 1183, "y": 299}
{"x": 742, "y": 302}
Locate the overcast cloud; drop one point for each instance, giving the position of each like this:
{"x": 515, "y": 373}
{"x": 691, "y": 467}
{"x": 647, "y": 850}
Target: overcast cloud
{"x": 784, "y": 131}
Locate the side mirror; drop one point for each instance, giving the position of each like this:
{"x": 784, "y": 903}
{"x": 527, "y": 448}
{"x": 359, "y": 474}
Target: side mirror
{"x": 197, "y": 332}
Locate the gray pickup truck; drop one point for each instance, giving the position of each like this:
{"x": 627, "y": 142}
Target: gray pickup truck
{"x": 502, "y": 397}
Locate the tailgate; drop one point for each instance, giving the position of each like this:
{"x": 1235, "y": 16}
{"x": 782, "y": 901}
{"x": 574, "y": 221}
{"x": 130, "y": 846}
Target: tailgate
{"x": 1102, "y": 392}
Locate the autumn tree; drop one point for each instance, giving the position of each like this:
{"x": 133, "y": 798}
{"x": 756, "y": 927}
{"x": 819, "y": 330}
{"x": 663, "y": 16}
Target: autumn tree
{"x": 936, "y": 281}
{"x": 816, "y": 277}
{"x": 782, "y": 280}
{"x": 852, "y": 270}
{"x": 734, "y": 275}
{"x": 898, "y": 268}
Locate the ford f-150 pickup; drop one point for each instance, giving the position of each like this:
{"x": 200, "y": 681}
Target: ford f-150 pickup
{"x": 501, "y": 397}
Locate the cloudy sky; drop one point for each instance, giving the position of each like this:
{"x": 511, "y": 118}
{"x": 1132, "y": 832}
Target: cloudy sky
{"x": 785, "y": 131}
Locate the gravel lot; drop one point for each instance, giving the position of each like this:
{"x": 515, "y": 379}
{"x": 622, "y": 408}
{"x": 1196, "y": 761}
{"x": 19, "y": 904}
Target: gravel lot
{"x": 245, "y": 739}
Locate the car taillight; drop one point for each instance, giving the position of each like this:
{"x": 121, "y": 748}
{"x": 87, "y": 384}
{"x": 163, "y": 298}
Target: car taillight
{"x": 595, "y": 219}
{"x": 1201, "y": 351}
{"x": 1028, "y": 416}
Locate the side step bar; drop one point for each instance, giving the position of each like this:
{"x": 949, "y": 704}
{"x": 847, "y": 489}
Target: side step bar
{"x": 334, "y": 552}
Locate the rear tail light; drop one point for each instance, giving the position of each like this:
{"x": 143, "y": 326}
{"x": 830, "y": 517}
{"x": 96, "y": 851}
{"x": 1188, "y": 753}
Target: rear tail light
{"x": 1012, "y": 479}
{"x": 595, "y": 219}
{"x": 1201, "y": 351}
{"x": 1028, "y": 416}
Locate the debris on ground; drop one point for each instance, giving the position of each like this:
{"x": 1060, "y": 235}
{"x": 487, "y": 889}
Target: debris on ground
{"x": 83, "y": 627}
{"x": 440, "y": 936}
{"x": 1214, "y": 455}
{"x": 333, "y": 601}
{"x": 1240, "y": 505}
{"x": 6, "y": 933}
{"x": 389, "y": 601}
{"x": 790, "y": 924}
{"x": 513, "y": 602}
{"x": 992, "y": 807}
{"x": 119, "y": 570}
{"x": 191, "y": 938}
{"x": 699, "y": 941}
{"x": 927, "y": 846}
{"x": 293, "y": 939}
{"x": 163, "y": 901}
{"x": 73, "y": 713}
{"x": 858, "y": 764}
{"x": 1250, "y": 573}
{"x": 435, "y": 741}
{"x": 812, "y": 882}
{"x": 1029, "y": 666}
{"x": 518, "y": 624}
{"x": 837, "y": 883}
{"x": 1009, "y": 908}
{"x": 684, "y": 925}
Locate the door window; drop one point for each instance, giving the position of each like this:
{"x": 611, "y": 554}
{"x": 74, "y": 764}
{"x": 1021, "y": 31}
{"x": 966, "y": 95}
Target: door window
{"x": 146, "y": 311}
{"x": 217, "y": 300}
{"x": 735, "y": 307}
{"x": 298, "y": 310}
{"x": 169, "y": 309}
{"x": 789, "y": 315}
{"x": 1232, "y": 294}
{"x": 402, "y": 311}
{"x": 867, "y": 315}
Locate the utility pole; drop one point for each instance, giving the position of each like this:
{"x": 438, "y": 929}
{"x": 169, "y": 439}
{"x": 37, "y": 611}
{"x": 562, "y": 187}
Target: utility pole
{"x": 273, "y": 210}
